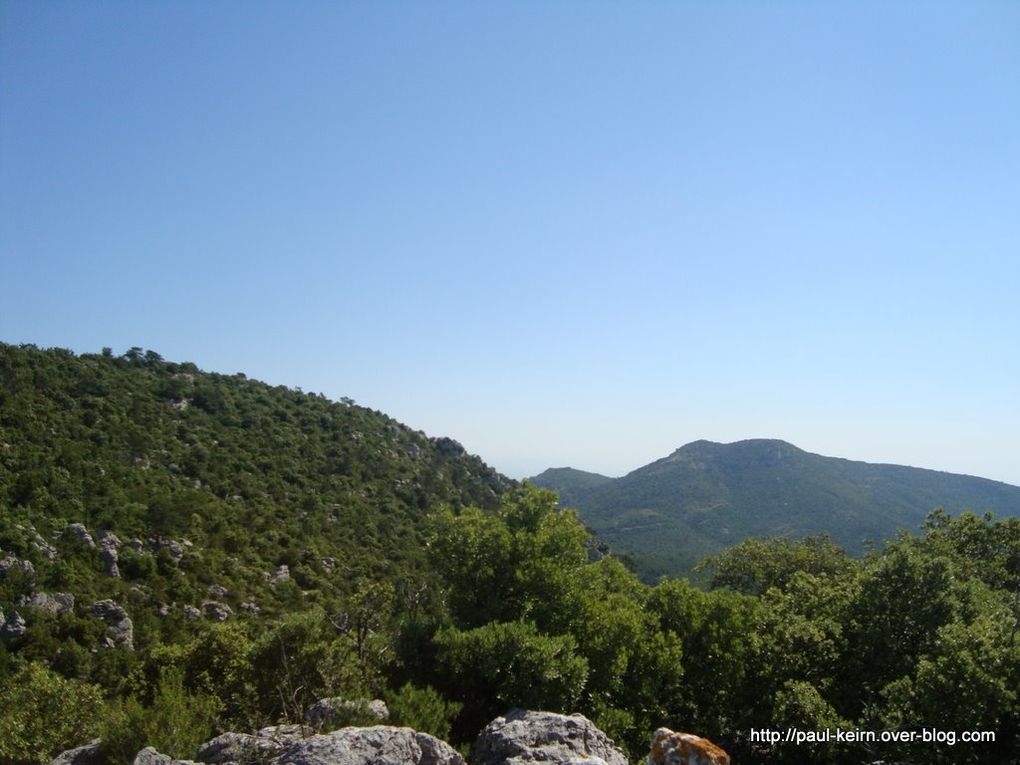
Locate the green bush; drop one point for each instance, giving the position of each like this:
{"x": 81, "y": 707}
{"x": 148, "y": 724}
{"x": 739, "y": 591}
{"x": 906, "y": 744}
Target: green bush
{"x": 423, "y": 709}
{"x": 42, "y": 714}
{"x": 175, "y": 723}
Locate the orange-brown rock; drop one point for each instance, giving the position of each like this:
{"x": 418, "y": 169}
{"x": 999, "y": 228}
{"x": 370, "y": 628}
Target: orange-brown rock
{"x": 671, "y": 748}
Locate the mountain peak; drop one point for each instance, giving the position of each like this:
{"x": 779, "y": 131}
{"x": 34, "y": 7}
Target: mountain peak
{"x": 706, "y": 496}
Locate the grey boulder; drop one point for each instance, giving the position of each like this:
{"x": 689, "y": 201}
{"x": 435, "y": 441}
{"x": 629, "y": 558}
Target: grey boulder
{"x": 149, "y": 756}
{"x": 245, "y": 747}
{"x": 80, "y": 755}
{"x": 117, "y": 622}
{"x": 524, "y": 737}
{"x": 376, "y": 745}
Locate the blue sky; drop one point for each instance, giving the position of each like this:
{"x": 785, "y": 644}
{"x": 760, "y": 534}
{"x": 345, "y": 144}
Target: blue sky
{"x": 563, "y": 233}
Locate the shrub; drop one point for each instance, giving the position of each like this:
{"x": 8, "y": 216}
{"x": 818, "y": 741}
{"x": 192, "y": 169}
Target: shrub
{"x": 42, "y": 714}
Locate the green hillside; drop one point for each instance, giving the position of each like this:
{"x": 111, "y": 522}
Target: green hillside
{"x": 265, "y": 476}
{"x": 571, "y": 484}
{"x": 706, "y": 496}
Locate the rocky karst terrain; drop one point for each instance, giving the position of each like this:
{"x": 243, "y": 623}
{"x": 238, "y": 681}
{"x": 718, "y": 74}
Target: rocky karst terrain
{"x": 521, "y": 737}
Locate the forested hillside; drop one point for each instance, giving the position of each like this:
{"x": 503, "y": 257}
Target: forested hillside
{"x": 183, "y": 553}
{"x": 706, "y": 496}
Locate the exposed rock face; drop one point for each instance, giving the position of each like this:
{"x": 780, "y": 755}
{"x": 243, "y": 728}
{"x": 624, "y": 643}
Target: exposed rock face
{"x": 671, "y": 748}
{"x": 80, "y": 755}
{"x": 83, "y": 535}
{"x": 250, "y": 608}
{"x": 108, "y": 545}
{"x": 337, "y": 710}
{"x": 149, "y": 756}
{"x": 245, "y": 748}
{"x": 191, "y": 613}
{"x": 282, "y": 574}
{"x": 378, "y": 745}
{"x": 218, "y": 592}
{"x": 524, "y": 737}
{"x": 117, "y": 623}
{"x": 13, "y": 628}
{"x": 172, "y": 546}
{"x": 448, "y": 447}
{"x": 57, "y": 603}
{"x": 108, "y": 538}
{"x": 218, "y": 612}
{"x": 10, "y": 562}
{"x": 109, "y": 558}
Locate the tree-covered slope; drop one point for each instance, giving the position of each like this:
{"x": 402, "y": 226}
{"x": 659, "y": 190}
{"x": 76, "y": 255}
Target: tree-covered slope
{"x": 266, "y": 475}
{"x": 707, "y": 496}
{"x": 570, "y": 484}
{"x": 203, "y": 493}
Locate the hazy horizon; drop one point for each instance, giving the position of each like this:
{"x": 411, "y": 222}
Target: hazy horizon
{"x": 561, "y": 234}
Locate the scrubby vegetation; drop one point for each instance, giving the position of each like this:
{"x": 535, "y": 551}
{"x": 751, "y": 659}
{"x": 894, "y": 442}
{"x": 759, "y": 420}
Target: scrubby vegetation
{"x": 416, "y": 574}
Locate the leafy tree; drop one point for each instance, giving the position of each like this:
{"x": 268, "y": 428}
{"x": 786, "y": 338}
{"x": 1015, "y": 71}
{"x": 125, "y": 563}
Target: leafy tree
{"x": 756, "y": 565}
{"x": 501, "y": 665}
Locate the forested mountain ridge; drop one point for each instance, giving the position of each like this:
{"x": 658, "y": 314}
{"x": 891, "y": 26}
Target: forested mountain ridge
{"x": 269, "y": 475}
{"x": 707, "y": 496}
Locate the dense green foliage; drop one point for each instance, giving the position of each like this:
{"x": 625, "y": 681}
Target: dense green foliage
{"x": 417, "y": 575}
{"x": 706, "y": 497}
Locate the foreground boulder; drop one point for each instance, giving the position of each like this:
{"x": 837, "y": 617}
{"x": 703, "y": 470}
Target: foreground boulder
{"x": 149, "y": 756}
{"x": 245, "y": 747}
{"x": 524, "y": 737}
{"x": 377, "y": 745}
{"x": 80, "y": 755}
{"x": 671, "y": 748}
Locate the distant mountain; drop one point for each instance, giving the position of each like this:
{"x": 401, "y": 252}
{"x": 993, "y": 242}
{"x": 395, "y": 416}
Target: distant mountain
{"x": 571, "y": 484}
{"x": 706, "y": 496}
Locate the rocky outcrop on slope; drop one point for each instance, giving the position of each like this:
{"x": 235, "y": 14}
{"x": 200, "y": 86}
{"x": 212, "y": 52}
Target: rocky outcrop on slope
{"x": 12, "y": 628}
{"x": 55, "y": 603}
{"x": 82, "y": 534}
{"x": 524, "y": 737}
{"x": 118, "y": 624}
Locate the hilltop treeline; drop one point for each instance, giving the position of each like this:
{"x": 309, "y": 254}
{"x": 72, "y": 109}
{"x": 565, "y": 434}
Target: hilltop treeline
{"x": 273, "y": 548}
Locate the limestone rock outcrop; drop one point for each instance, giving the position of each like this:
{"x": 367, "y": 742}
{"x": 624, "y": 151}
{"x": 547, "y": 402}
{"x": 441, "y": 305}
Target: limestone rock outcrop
{"x": 108, "y": 546}
{"x": 246, "y": 747}
{"x": 82, "y": 533}
{"x": 672, "y": 748}
{"x": 525, "y": 737}
{"x": 216, "y": 611}
{"x": 376, "y": 745}
{"x": 56, "y": 603}
{"x": 117, "y": 622}
{"x": 12, "y": 628}
{"x": 149, "y": 756}
{"x": 80, "y": 755}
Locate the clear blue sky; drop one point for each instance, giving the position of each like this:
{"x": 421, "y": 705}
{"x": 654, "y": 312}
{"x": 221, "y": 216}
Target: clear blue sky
{"x": 560, "y": 232}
